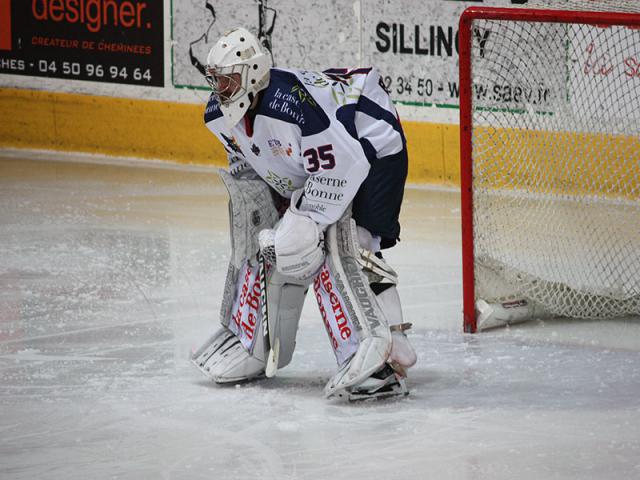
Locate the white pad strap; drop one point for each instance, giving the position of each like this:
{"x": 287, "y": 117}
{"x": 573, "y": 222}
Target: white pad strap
{"x": 370, "y": 262}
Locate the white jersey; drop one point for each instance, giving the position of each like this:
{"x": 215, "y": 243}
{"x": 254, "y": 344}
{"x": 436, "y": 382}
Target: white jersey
{"x": 320, "y": 132}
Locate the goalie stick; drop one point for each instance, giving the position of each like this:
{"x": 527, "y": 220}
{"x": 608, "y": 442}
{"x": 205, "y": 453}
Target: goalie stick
{"x": 271, "y": 340}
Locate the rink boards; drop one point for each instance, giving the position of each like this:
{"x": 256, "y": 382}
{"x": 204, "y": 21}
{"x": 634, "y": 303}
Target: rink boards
{"x": 173, "y": 131}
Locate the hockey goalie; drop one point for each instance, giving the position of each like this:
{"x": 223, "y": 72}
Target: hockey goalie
{"x": 317, "y": 167}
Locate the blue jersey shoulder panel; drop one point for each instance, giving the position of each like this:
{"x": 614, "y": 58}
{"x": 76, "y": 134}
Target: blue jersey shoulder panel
{"x": 365, "y": 105}
{"x": 287, "y": 99}
{"x": 213, "y": 109}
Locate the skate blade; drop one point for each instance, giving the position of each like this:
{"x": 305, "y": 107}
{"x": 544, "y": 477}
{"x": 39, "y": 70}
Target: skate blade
{"x": 395, "y": 389}
{"x": 272, "y": 360}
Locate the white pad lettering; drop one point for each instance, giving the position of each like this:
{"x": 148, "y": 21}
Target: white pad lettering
{"x": 335, "y": 316}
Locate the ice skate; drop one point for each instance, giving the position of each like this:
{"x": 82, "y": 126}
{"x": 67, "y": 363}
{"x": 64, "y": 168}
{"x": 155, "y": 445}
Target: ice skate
{"x": 384, "y": 383}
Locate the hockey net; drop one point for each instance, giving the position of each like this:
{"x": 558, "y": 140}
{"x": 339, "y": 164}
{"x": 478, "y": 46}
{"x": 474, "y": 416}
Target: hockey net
{"x": 550, "y": 144}
{"x": 619, "y": 6}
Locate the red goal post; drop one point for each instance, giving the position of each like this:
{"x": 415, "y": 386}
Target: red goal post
{"x": 467, "y": 46}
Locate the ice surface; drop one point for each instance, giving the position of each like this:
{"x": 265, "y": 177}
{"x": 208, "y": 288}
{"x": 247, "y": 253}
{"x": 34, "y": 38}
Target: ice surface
{"x": 109, "y": 275}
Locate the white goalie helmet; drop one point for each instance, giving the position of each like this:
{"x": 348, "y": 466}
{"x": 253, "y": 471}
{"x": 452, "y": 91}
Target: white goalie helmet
{"x": 237, "y": 69}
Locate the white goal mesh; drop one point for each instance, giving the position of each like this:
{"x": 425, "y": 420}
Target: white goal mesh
{"x": 556, "y": 165}
{"x": 628, "y": 6}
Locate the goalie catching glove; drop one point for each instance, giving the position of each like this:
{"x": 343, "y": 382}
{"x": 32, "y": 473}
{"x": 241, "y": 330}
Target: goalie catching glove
{"x": 298, "y": 242}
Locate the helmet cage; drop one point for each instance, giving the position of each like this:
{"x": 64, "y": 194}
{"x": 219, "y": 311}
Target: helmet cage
{"x": 238, "y": 67}
{"x": 239, "y": 88}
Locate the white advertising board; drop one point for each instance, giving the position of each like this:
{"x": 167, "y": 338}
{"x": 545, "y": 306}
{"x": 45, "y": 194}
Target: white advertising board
{"x": 413, "y": 44}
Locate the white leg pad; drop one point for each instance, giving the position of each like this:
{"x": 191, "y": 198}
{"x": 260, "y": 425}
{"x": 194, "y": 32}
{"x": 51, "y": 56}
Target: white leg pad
{"x": 360, "y": 305}
{"x": 285, "y": 300}
{"x": 356, "y": 284}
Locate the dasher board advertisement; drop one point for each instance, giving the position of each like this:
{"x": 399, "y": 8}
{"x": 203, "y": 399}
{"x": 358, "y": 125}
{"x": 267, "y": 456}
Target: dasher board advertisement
{"x": 113, "y": 41}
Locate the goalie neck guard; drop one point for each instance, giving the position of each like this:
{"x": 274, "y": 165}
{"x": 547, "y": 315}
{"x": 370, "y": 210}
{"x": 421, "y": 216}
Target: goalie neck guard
{"x": 237, "y": 69}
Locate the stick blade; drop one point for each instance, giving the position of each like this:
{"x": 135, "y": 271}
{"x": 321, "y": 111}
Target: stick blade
{"x": 272, "y": 359}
